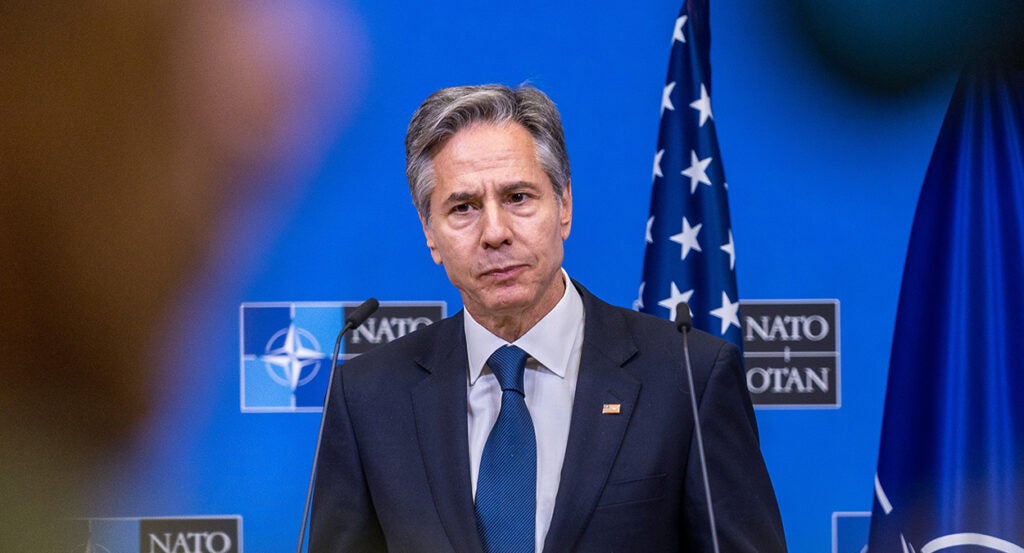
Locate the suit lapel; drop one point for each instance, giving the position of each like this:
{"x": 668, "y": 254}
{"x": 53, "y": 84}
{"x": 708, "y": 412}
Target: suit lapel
{"x": 594, "y": 437}
{"x": 439, "y": 403}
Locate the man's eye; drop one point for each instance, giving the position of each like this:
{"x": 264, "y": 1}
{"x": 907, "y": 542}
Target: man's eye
{"x": 517, "y": 197}
{"x": 461, "y": 208}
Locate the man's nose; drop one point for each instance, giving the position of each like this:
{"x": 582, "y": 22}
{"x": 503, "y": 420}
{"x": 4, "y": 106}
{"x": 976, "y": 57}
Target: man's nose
{"x": 496, "y": 227}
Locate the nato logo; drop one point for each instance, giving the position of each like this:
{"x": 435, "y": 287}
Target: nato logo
{"x": 791, "y": 351}
{"x": 158, "y": 535}
{"x": 850, "y": 532}
{"x": 286, "y": 347}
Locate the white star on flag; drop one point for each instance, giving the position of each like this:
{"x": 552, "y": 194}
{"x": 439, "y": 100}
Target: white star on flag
{"x": 697, "y": 171}
{"x": 675, "y": 299}
{"x": 677, "y": 33}
{"x": 728, "y": 248}
{"x": 649, "y": 238}
{"x": 729, "y": 313}
{"x": 687, "y": 238}
{"x": 666, "y": 101}
{"x": 703, "y": 105}
{"x": 656, "y": 172}
{"x": 638, "y": 303}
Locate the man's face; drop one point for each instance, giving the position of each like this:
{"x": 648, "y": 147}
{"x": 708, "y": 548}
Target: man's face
{"x": 496, "y": 224}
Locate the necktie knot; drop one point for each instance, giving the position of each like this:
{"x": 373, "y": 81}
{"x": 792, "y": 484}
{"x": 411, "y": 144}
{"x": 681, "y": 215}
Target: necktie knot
{"x": 507, "y": 363}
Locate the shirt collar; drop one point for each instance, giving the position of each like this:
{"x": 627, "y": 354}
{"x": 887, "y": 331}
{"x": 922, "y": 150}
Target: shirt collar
{"x": 550, "y": 341}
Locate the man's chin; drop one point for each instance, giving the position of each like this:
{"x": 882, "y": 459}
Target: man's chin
{"x": 508, "y": 301}
{"x": 512, "y": 298}
{"x": 502, "y": 306}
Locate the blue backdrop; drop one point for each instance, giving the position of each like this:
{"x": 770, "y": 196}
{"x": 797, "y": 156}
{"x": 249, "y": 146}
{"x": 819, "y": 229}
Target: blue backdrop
{"x": 824, "y": 174}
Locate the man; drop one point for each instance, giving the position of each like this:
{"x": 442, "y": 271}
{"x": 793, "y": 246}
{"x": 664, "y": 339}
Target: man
{"x": 430, "y": 446}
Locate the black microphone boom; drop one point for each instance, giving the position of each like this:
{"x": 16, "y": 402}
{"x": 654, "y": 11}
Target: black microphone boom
{"x": 683, "y": 324}
{"x": 356, "y": 318}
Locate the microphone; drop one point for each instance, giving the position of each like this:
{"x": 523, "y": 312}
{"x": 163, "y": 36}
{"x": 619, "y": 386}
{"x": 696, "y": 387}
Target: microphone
{"x": 356, "y": 318}
{"x": 683, "y": 320}
{"x": 683, "y": 324}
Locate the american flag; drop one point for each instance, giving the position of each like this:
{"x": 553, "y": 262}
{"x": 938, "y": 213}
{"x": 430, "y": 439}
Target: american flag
{"x": 690, "y": 255}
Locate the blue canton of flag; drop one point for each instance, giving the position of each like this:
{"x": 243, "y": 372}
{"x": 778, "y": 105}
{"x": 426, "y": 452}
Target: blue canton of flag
{"x": 951, "y": 461}
{"x": 690, "y": 255}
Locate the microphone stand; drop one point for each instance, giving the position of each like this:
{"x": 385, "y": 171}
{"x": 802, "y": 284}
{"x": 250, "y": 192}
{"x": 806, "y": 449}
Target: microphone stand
{"x": 683, "y": 324}
{"x": 357, "y": 317}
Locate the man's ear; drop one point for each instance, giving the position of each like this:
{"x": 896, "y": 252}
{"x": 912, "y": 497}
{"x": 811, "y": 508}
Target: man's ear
{"x": 565, "y": 211}
{"x": 431, "y": 243}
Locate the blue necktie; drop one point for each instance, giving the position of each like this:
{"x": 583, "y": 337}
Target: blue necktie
{"x": 506, "y": 487}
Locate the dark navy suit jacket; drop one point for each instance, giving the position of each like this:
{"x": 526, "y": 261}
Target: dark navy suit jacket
{"x": 394, "y": 465}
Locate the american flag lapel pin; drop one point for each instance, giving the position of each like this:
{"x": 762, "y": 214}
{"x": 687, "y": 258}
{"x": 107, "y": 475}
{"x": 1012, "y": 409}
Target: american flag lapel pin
{"x": 611, "y": 408}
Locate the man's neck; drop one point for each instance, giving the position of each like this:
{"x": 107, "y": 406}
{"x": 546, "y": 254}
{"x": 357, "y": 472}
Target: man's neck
{"x": 511, "y": 326}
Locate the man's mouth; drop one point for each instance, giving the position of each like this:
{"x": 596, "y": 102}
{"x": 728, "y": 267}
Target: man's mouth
{"x": 505, "y": 271}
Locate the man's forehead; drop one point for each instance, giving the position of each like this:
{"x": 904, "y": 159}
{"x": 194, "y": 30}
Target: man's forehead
{"x": 485, "y": 138}
{"x": 488, "y": 154}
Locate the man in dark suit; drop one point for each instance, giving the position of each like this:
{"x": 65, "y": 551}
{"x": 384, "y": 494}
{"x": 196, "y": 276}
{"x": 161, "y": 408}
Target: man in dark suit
{"x": 539, "y": 418}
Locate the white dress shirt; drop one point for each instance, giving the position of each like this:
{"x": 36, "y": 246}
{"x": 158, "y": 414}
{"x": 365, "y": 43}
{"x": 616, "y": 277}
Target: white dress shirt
{"x": 554, "y": 346}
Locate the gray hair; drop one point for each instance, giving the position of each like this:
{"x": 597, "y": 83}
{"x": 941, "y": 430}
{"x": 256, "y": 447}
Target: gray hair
{"x": 450, "y": 110}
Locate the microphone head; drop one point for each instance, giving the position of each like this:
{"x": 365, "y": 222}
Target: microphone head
{"x": 683, "y": 317}
{"x": 362, "y": 313}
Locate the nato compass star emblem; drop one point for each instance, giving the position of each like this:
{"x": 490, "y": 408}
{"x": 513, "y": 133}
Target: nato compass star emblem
{"x": 283, "y": 366}
{"x": 293, "y": 357}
